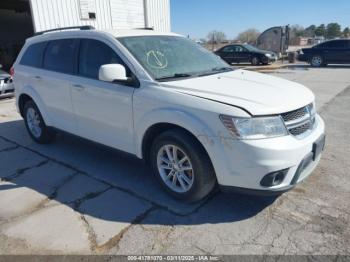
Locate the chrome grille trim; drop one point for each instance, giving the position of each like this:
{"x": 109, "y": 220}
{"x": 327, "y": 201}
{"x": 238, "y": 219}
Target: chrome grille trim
{"x": 299, "y": 121}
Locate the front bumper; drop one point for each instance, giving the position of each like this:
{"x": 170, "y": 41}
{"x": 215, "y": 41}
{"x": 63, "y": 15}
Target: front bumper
{"x": 241, "y": 165}
{"x": 269, "y": 60}
{"x": 302, "y": 58}
{"x": 7, "y": 88}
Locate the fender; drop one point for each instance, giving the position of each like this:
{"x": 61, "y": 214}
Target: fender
{"x": 30, "y": 91}
{"x": 173, "y": 116}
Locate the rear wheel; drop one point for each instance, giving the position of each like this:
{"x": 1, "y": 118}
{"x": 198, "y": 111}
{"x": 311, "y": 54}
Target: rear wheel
{"x": 182, "y": 166}
{"x": 317, "y": 61}
{"x": 35, "y": 124}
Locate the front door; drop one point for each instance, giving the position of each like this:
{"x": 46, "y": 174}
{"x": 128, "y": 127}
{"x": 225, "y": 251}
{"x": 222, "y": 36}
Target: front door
{"x": 103, "y": 110}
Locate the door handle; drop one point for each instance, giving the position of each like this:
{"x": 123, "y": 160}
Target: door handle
{"x": 79, "y": 87}
{"x": 37, "y": 77}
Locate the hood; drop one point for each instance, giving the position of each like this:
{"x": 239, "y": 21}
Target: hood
{"x": 259, "y": 94}
{"x": 3, "y": 74}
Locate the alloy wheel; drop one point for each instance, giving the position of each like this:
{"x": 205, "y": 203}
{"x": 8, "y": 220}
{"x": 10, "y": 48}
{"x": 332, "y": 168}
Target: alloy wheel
{"x": 175, "y": 168}
{"x": 33, "y": 121}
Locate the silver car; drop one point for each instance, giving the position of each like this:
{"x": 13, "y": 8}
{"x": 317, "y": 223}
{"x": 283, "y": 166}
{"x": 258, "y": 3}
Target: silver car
{"x": 7, "y": 88}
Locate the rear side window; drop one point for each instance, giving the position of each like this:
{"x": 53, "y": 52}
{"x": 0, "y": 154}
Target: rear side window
{"x": 60, "y": 56}
{"x": 33, "y": 55}
{"x": 93, "y": 54}
{"x": 228, "y": 49}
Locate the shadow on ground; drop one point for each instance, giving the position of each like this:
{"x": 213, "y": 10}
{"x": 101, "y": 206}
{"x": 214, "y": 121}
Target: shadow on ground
{"x": 107, "y": 184}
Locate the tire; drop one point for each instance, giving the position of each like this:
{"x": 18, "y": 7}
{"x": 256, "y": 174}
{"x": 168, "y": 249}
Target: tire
{"x": 317, "y": 61}
{"x": 35, "y": 124}
{"x": 200, "y": 180}
{"x": 255, "y": 61}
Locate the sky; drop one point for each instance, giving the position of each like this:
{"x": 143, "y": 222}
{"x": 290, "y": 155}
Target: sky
{"x": 197, "y": 17}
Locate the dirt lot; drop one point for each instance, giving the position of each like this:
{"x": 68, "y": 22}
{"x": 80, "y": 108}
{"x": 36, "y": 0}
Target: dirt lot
{"x": 74, "y": 197}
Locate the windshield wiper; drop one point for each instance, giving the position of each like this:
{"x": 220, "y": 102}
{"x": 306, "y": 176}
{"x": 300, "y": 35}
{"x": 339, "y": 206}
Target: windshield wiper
{"x": 174, "y": 76}
{"x": 216, "y": 70}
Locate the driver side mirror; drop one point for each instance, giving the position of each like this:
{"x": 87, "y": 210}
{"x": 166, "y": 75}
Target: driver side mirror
{"x": 112, "y": 73}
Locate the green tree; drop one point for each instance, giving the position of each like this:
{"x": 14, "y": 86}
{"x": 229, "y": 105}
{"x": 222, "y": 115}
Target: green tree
{"x": 321, "y": 30}
{"x": 333, "y": 30}
{"x": 346, "y": 32}
{"x": 310, "y": 31}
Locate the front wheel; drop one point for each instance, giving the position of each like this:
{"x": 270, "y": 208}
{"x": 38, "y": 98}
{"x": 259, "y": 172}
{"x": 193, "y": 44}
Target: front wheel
{"x": 182, "y": 166}
{"x": 255, "y": 61}
{"x": 35, "y": 124}
{"x": 316, "y": 61}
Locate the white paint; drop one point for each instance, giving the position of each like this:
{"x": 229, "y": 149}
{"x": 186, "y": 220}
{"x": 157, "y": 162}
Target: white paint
{"x": 119, "y": 116}
{"x": 110, "y": 14}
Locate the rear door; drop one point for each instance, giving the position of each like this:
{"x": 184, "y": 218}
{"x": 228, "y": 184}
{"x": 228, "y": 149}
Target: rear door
{"x": 54, "y": 83}
{"x": 103, "y": 110}
{"x": 242, "y": 55}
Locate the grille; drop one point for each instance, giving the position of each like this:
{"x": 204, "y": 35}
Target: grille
{"x": 299, "y": 121}
{"x": 300, "y": 129}
{"x": 294, "y": 115}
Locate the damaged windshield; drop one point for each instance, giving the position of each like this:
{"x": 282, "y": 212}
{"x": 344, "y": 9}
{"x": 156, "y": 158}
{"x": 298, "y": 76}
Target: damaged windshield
{"x": 173, "y": 57}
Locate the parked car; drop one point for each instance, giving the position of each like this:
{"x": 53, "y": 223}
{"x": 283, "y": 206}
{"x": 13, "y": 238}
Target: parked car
{"x": 330, "y": 52}
{"x": 6, "y": 85}
{"x": 165, "y": 99}
{"x": 245, "y": 53}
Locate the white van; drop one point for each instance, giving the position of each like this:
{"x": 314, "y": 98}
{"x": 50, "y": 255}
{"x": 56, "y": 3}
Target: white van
{"x": 197, "y": 121}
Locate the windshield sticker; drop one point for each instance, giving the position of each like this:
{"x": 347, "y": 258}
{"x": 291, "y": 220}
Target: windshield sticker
{"x": 157, "y": 59}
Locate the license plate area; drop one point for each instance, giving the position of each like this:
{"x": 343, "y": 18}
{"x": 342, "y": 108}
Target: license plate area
{"x": 318, "y": 147}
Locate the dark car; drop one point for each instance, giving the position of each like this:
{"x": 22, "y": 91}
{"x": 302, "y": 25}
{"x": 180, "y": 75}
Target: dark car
{"x": 244, "y": 53}
{"x": 330, "y": 52}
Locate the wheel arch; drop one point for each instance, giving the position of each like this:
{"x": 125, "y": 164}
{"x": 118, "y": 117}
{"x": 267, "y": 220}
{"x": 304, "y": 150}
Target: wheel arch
{"x": 28, "y": 93}
{"x": 156, "y": 129}
{"x": 160, "y": 120}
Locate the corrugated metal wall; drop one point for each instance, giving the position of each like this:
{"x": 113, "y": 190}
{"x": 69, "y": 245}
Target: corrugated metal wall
{"x": 158, "y": 14}
{"x": 127, "y": 14}
{"x": 110, "y": 14}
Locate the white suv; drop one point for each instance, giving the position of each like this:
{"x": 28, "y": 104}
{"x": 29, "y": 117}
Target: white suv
{"x": 196, "y": 121}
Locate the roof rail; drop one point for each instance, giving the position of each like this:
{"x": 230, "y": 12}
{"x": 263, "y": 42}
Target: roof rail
{"x": 145, "y": 28}
{"x": 85, "y": 27}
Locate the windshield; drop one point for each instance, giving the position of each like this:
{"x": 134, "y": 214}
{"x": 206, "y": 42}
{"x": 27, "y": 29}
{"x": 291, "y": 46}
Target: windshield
{"x": 172, "y": 57}
{"x": 251, "y": 48}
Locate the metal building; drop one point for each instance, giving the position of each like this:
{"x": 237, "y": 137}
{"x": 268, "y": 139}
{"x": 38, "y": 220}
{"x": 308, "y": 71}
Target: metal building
{"x": 19, "y": 19}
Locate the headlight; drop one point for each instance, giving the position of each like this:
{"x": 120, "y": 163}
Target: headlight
{"x": 255, "y": 128}
{"x": 268, "y": 55}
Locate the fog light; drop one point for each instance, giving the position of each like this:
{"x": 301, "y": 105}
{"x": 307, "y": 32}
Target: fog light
{"x": 274, "y": 178}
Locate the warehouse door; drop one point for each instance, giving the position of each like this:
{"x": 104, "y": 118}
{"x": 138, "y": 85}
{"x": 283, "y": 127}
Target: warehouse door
{"x": 127, "y": 14}
{"x": 15, "y": 26}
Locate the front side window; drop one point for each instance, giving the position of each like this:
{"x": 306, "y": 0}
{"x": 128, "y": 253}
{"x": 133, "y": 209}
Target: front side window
{"x": 165, "y": 57}
{"x": 93, "y": 54}
{"x": 60, "y": 56}
{"x": 33, "y": 55}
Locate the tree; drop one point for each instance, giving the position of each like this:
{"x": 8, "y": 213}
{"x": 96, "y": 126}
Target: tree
{"x": 297, "y": 31}
{"x": 216, "y": 37}
{"x": 321, "y": 30}
{"x": 333, "y": 30}
{"x": 248, "y": 36}
{"x": 310, "y": 31}
{"x": 346, "y": 32}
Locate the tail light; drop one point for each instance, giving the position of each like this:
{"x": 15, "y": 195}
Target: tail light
{"x": 12, "y": 72}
